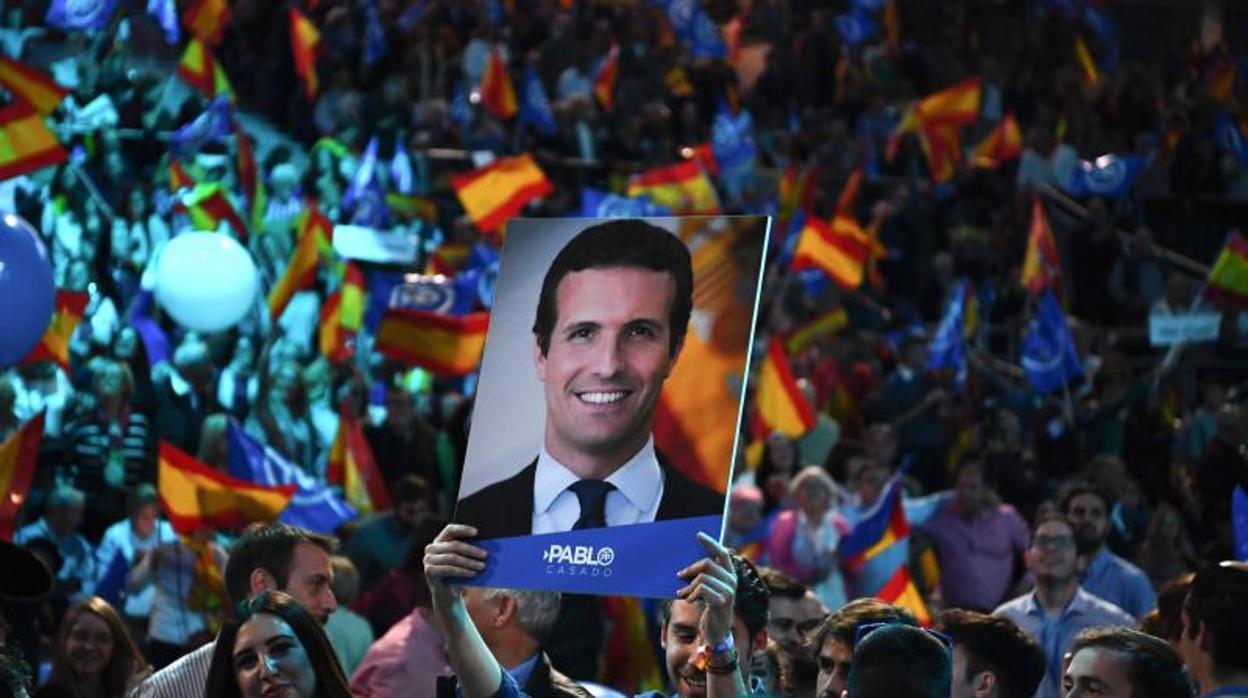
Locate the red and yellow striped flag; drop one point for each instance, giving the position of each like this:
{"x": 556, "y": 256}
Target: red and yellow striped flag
{"x": 206, "y": 20}
{"x": 342, "y": 315}
{"x": 250, "y": 179}
{"x": 30, "y": 85}
{"x": 682, "y": 187}
{"x": 1227, "y": 285}
{"x": 499, "y": 191}
{"x": 634, "y": 667}
{"x": 498, "y": 95}
{"x": 19, "y": 454}
{"x": 200, "y": 69}
{"x": 445, "y": 345}
{"x": 179, "y": 178}
{"x": 196, "y": 496}
{"x": 936, "y": 118}
{"x": 1002, "y": 145}
{"x": 778, "y": 403}
{"x": 305, "y": 44}
{"x": 26, "y": 144}
{"x": 1042, "y": 267}
{"x": 840, "y": 248}
{"x": 448, "y": 259}
{"x": 300, "y": 272}
{"x": 351, "y": 466}
{"x": 797, "y": 190}
{"x": 70, "y": 306}
{"x": 828, "y": 323}
{"x": 207, "y": 205}
{"x": 604, "y": 79}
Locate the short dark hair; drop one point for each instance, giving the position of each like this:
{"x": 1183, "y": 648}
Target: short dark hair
{"x": 1075, "y": 488}
{"x": 1155, "y": 668}
{"x": 142, "y": 494}
{"x": 331, "y": 682}
{"x": 624, "y": 243}
{"x": 780, "y": 584}
{"x": 843, "y": 624}
{"x": 750, "y": 602}
{"x": 996, "y": 645}
{"x": 412, "y": 488}
{"x": 1166, "y": 621}
{"x": 270, "y": 546}
{"x": 1218, "y": 600}
{"x": 900, "y": 660}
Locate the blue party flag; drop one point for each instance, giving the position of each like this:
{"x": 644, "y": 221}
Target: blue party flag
{"x": 374, "y": 35}
{"x": 948, "y": 348}
{"x": 855, "y": 28}
{"x": 534, "y": 105}
{"x": 80, "y": 15}
{"x": 212, "y": 126}
{"x": 1110, "y": 176}
{"x": 165, "y": 12}
{"x": 364, "y": 197}
{"x": 112, "y": 585}
{"x": 315, "y": 506}
{"x": 1049, "y": 356}
{"x": 596, "y": 203}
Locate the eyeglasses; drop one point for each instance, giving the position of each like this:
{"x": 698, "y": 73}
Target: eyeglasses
{"x": 866, "y": 629}
{"x": 1057, "y": 542}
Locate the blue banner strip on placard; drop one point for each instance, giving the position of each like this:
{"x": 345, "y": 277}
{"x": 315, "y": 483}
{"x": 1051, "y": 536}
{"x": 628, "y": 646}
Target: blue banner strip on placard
{"x": 635, "y": 560}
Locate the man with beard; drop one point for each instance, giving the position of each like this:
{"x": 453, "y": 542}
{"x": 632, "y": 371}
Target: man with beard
{"x": 267, "y": 556}
{"x": 1106, "y": 575}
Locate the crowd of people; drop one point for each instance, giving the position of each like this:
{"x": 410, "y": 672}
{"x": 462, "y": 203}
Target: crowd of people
{"x": 1059, "y": 543}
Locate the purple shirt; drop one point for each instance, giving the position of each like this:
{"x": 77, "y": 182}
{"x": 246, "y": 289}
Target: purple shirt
{"x": 976, "y": 556}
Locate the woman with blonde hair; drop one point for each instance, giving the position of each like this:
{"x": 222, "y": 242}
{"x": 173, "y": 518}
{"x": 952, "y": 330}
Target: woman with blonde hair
{"x": 95, "y": 656}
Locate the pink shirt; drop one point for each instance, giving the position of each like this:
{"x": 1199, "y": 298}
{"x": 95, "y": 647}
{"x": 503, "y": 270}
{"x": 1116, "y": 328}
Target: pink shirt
{"x": 406, "y": 661}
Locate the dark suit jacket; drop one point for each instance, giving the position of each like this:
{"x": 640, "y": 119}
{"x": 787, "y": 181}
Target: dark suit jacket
{"x": 506, "y": 508}
{"x": 544, "y": 682}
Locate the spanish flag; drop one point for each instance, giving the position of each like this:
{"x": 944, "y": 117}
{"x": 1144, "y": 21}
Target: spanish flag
{"x": 1002, "y": 145}
{"x": 179, "y": 178}
{"x": 828, "y": 323}
{"x": 634, "y": 667}
{"x": 342, "y": 315}
{"x": 1221, "y": 78}
{"x": 943, "y": 147}
{"x": 840, "y": 248}
{"x": 195, "y": 496}
{"x": 683, "y": 187}
{"x": 250, "y": 179}
{"x": 301, "y": 270}
{"x": 200, "y": 69}
{"x": 410, "y": 207}
{"x": 19, "y": 454}
{"x": 604, "y": 79}
{"x": 305, "y": 43}
{"x": 1227, "y": 285}
{"x": 206, "y": 19}
{"x": 778, "y": 403}
{"x": 207, "y": 205}
{"x": 499, "y": 191}
{"x": 351, "y": 466}
{"x": 797, "y": 190}
{"x": 936, "y": 118}
{"x": 447, "y": 346}
{"x": 70, "y": 306}
{"x": 30, "y": 85}
{"x": 498, "y": 95}
{"x": 448, "y": 259}
{"x": 26, "y": 144}
{"x": 1042, "y": 266}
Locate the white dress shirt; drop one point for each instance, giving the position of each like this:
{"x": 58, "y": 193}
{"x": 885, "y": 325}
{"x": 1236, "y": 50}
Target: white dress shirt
{"x": 635, "y": 499}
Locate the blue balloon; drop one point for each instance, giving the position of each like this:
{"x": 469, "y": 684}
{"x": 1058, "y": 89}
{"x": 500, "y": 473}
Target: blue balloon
{"x": 26, "y": 287}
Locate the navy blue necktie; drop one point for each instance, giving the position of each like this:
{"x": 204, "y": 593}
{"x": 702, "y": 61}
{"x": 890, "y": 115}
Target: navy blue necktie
{"x": 592, "y": 495}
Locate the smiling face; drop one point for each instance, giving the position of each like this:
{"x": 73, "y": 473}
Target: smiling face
{"x": 1052, "y": 556}
{"x": 89, "y": 645}
{"x": 1097, "y": 671}
{"x": 270, "y": 661}
{"x": 681, "y": 640}
{"x": 608, "y": 357}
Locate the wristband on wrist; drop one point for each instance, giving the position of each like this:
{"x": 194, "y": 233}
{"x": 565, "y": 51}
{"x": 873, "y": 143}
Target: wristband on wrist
{"x": 702, "y": 659}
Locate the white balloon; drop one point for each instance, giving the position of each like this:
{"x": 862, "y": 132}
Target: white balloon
{"x": 206, "y": 281}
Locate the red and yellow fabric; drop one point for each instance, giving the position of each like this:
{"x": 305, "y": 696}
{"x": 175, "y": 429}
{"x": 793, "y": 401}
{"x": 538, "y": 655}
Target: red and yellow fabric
{"x": 778, "y": 403}
{"x": 1001, "y": 146}
{"x": 683, "y": 187}
{"x": 448, "y": 259}
{"x": 936, "y": 119}
{"x": 901, "y": 592}
{"x": 840, "y": 248}
{"x": 445, "y": 345}
{"x": 351, "y": 466}
{"x": 500, "y": 190}
{"x": 633, "y": 668}
{"x": 30, "y": 85}
{"x": 206, "y": 20}
{"x": 1087, "y": 65}
{"x": 19, "y": 454}
{"x": 208, "y": 204}
{"x": 301, "y": 270}
{"x": 1041, "y": 264}
{"x": 342, "y": 315}
{"x": 797, "y": 190}
{"x": 1227, "y": 285}
{"x": 200, "y": 69}
{"x": 196, "y": 496}
{"x": 70, "y": 306}
{"x": 411, "y": 207}
{"x": 26, "y": 144}
{"x": 605, "y": 78}
{"x": 179, "y": 178}
{"x": 1222, "y": 78}
{"x": 250, "y": 179}
{"x": 829, "y": 323}
{"x": 305, "y": 45}
{"x": 498, "y": 94}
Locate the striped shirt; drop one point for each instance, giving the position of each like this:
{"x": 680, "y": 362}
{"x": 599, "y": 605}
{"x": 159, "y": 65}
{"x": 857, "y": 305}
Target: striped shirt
{"x": 92, "y": 440}
{"x": 185, "y": 678}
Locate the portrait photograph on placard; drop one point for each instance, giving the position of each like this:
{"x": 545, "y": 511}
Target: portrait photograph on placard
{"x": 611, "y": 384}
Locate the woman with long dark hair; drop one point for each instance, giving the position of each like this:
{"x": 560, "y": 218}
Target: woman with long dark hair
{"x": 95, "y": 655}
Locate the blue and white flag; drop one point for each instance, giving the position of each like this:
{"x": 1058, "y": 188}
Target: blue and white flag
{"x": 695, "y": 27}
{"x": 364, "y": 197}
{"x": 212, "y": 126}
{"x": 165, "y": 12}
{"x": 80, "y": 15}
{"x": 1049, "y": 358}
{"x": 112, "y": 584}
{"x": 534, "y": 105}
{"x": 315, "y": 506}
{"x": 732, "y": 139}
{"x": 1099, "y": 22}
{"x": 855, "y": 28}
{"x": 374, "y": 34}
{"x": 1111, "y": 176}
{"x": 401, "y": 174}
{"x": 948, "y": 348}
{"x": 596, "y": 203}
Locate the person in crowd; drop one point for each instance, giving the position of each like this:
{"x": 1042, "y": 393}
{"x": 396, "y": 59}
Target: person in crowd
{"x": 382, "y": 541}
{"x": 1058, "y": 607}
{"x": 1124, "y": 662}
{"x": 804, "y": 539}
{"x": 793, "y": 611}
{"x": 239, "y": 385}
{"x": 979, "y": 542}
{"x": 95, "y": 655}
{"x": 274, "y": 647}
{"x": 266, "y": 557}
{"x": 833, "y": 640}
{"x": 133, "y": 538}
{"x": 185, "y": 396}
{"x": 899, "y": 660}
{"x": 348, "y": 632}
{"x": 402, "y": 589}
{"x": 59, "y": 524}
{"x": 1105, "y": 575}
{"x": 1166, "y": 551}
{"x": 406, "y": 660}
{"x": 1213, "y": 621}
{"x": 992, "y": 658}
{"x": 745, "y": 525}
{"x": 404, "y": 443}
{"x": 780, "y": 462}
